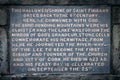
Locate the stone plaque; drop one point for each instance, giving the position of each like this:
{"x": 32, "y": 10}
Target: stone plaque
{"x": 60, "y": 39}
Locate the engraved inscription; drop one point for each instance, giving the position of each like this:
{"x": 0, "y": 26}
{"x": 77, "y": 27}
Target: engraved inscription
{"x": 60, "y": 39}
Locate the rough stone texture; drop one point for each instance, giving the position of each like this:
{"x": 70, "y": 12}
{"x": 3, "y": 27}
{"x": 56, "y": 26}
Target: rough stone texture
{"x": 33, "y": 2}
{"x": 91, "y": 1}
{"x": 28, "y": 2}
{"x": 3, "y": 16}
{"x": 116, "y": 49}
{"x": 3, "y": 51}
{"x": 116, "y": 15}
{"x": 64, "y": 77}
{"x": 60, "y": 2}
{"x": 65, "y": 2}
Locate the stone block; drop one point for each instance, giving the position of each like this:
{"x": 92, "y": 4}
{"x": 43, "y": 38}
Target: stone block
{"x": 116, "y": 49}
{"x": 3, "y": 51}
{"x": 116, "y": 15}
{"x": 3, "y": 16}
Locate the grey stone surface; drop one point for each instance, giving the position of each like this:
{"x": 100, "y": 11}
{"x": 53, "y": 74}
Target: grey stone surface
{"x": 65, "y": 77}
{"x": 59, "y": 2}
{"x": 116, "y": 15}
{"x": 97, "y": 77}
{"x": 65, "y": 2}
{"x": 3, "y": 51}
{"x": 33, "y": 2}
{"x": 3, "y": 16}
{"x": 28, "y": 2}
{"x": 39, "y": 2}
{"x": 116, "y": 49}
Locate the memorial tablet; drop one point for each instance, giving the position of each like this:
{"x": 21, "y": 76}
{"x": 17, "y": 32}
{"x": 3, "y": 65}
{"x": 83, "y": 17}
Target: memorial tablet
{"x": 60, "y": 39}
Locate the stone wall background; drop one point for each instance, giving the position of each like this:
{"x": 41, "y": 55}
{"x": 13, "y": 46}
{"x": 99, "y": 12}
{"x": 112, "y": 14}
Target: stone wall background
{"x": 4, "y": 40}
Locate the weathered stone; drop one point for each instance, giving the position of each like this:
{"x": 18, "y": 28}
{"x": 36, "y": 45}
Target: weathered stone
{"x": 64, "y": 77}
{"x": 3, "y": 51}
{"x": 92, "y": 2}
{"x": 28, "y": 2}
{"x": 40, "y": 2}
{"x": 95, "y": 77}
{"x": 116, "y": 15}
{"x": 116, "y": 49}
{"x": 3, "y": 16}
